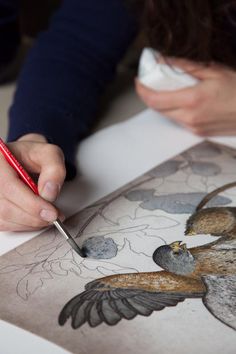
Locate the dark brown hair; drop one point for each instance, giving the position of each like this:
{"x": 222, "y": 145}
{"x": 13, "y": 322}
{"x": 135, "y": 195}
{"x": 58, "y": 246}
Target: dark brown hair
{"x": 201, "y": 30}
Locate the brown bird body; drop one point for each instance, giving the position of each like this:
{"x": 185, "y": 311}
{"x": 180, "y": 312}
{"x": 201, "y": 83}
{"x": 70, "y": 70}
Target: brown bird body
{"x": 211, "y": 261}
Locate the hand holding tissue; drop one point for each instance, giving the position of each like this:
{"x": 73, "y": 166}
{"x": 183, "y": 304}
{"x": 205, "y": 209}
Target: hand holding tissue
{"x": 198, "y": 96}
{"x": 160, "y": 76}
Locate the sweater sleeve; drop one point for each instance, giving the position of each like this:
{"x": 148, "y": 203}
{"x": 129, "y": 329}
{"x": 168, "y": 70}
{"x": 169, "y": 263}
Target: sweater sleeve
{"x": 68, "y": 69}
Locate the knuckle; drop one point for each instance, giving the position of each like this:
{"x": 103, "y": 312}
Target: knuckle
{"x": 53, "y": 150}
{"x": 33, "y": 207}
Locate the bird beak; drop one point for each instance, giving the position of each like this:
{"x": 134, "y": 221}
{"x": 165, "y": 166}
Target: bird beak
{"x": 190, "y": 232}
{"x": 176, "y": 246}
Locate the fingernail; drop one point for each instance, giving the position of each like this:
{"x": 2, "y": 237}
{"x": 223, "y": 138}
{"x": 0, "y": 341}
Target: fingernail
{"x": 50, "y": 191}
{"x": 48, "y": 215}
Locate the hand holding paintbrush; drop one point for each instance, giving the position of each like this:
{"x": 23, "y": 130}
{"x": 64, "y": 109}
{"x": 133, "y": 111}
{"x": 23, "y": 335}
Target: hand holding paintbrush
{"x": 40, "y": 212}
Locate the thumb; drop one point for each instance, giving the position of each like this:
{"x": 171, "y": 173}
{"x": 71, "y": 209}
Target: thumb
{"x": 52, "y": 171}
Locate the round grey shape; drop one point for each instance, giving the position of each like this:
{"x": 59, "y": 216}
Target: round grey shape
{"x": 99, "y": 247}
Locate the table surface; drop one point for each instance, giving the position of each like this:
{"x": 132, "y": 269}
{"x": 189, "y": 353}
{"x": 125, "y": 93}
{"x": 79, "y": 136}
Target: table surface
{"x": 107, "y": 159}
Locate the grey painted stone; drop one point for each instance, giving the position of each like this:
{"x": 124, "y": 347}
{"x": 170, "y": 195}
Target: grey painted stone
{"x": 100, "y": 247}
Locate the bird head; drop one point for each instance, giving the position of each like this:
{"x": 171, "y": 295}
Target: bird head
{"x": 213, "y": 221}
{"x": 175, "y": 258}
{"x": 178, "y": 247}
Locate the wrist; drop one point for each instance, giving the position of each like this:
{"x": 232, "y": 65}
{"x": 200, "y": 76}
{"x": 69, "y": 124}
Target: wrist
{"x": 33, "y": 137}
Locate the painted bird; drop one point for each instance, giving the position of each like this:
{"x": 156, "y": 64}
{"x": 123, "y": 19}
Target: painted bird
{"x": 207, "y": 272}
{"x": 200, "y": 272}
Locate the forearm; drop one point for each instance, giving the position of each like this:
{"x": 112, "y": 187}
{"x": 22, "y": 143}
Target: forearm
{"x": 67, "y": 70}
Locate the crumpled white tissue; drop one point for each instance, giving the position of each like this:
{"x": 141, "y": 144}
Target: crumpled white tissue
{"x": 161, "y": 77}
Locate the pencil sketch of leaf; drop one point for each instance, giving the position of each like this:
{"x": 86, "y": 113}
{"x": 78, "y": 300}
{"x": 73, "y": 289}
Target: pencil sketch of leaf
{"x": 137, "y": 230}
{"x": 31, "y": 282}
{"x": 85, "y": 214}
{"x": 141, "y": 254}
{"x": 57, "y": 269}
{"x": 48, "y": 239}
{"x": 104, "y": 271}
{"x": 119, "y": 228}
{"x": 141, "y": 231}
{"x": 133, "y": 250}
{"x": 61, "y": 250}
{"x": 33, "y": 275}
{"x": 11, "y": 268}
{"x": 104, "y": 204}
{"x": 144, "y": 245}
{"x": 64, "y": 265}
{"x": 43, "y": 254}
{"x": 128, "y": 224}
{"x": 61, "y": 260}
{"x": 105, "y": 267}
{"x": 63, "y": 268}
{"x": 114, "y": 270}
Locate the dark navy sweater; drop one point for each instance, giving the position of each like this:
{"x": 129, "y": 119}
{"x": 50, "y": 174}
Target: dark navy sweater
{"x": 67, "y": 69}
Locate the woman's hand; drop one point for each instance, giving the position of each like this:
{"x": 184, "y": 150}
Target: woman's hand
{"x": 207, "y": 109}
{"x": 20, "y": 208}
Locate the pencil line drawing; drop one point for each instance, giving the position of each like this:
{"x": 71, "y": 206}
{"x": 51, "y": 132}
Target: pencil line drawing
{"x": 138, "y": 261}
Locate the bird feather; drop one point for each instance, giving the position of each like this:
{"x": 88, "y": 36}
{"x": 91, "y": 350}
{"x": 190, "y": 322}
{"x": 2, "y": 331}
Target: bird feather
{"x": 103, "y": 301}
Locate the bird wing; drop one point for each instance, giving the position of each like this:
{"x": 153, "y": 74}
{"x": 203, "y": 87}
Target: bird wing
{"x": 220, "y": 298}
{"x": 112, "y": 298}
